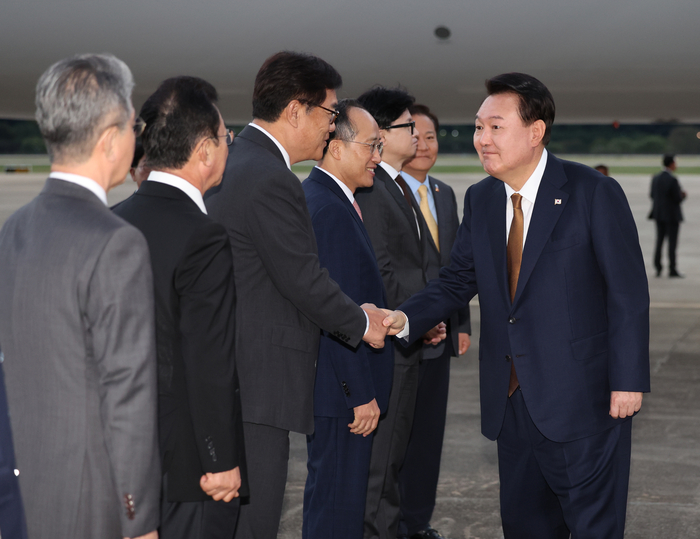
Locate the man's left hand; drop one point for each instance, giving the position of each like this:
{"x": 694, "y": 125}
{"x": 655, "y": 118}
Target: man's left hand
{"x": 624, "y": 403}
{"x": 465, "y": 342}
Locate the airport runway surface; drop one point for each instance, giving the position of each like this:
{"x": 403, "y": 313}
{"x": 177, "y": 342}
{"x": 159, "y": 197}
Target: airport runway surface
{"x": 664, "y": 499}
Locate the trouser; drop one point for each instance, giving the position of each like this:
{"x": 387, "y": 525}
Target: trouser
{"x": 552, "y": 489}
{"x": 196, "y": 520}
{"x": 664, "y": 229}
{"x": 267, "y": 458}
{"x": 419, "y": 474}
{"x": 382, "y": 508}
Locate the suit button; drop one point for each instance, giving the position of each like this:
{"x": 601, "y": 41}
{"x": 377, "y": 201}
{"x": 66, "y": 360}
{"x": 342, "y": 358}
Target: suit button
{"x": 507, "y": 358}
{"x": 512, "y": 320}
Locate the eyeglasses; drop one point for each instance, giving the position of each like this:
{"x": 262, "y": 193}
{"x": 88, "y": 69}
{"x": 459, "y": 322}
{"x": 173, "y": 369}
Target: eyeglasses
{"x": 228, "y": 136}
{"x": 408, "y": 124}
{"x": 139, "y": 126}
{"x": 373, "y": 146}
{"x": 334, "y": 113}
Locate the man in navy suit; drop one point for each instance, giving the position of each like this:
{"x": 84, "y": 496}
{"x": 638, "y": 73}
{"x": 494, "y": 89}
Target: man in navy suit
{"x": 552, "y": 250}
{"x": 352, "y": 384}
{"x": 12, "y": 522}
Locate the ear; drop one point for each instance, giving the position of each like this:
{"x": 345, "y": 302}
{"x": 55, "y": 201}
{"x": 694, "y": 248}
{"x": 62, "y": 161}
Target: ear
{"x": 537, "y": 130}
{"x": 335, "y": 149}
{"x": 106, "y": 144}
{"x": 205, "y": 151}
{"x": 293, "y": 111}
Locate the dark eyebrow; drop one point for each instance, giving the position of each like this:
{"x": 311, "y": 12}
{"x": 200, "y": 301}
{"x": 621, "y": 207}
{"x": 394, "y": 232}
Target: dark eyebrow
{"x": 492, "y": 117}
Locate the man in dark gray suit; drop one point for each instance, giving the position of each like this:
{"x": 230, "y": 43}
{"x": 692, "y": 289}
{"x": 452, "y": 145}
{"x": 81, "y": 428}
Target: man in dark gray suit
{"x": 438, "y": 209}
{"x": 666, "y": 195}
{"x": 283, "y": 295}
{"x": 399, "y": 238}
{"x": 77, "y": 320}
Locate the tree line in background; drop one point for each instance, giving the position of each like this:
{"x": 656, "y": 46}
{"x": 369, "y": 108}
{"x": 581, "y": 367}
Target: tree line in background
{"x": 23, "y": 137}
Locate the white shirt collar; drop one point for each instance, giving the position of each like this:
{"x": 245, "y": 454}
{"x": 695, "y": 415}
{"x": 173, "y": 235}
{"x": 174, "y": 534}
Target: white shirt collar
{"x": 391, "y": 171}
{"x": 181, "y": 184}
{"x": 87, "y": 183}
{"x": 345, "y": 188}
{"x": 277, "y": 143}
{"x": 529, "y": 190}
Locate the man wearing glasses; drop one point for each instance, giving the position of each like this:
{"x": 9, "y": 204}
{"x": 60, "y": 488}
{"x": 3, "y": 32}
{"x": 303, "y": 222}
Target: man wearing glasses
{"x": 352, "y": 385}
{"x": 399, "y": 239}
{"x": 199, "y": 410}
{"x": 283, "y": 295}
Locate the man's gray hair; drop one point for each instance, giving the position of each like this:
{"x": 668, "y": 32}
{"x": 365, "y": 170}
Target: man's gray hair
{"x": 344, "y": 128}
{"x": 75, "y": 98}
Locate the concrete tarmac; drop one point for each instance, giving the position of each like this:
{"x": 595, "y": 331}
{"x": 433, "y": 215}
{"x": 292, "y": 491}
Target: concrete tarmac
{"x": 664, "y": 497}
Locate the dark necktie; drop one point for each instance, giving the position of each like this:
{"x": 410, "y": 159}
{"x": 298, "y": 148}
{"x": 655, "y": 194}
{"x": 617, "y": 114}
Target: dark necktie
{"x": 514, "y": 255}
{"x": 404, "y": 188}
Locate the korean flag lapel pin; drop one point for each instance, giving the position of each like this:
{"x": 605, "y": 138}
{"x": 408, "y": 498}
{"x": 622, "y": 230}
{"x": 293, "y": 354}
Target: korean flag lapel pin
{"x": 557, "y": 201}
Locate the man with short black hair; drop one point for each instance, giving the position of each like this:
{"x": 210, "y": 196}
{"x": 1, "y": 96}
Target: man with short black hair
{"x": 201, "y": 432}
{"x": 77, "y": 320}
{"x": 352, "y": 385}
{"x": 391, "y": 216}
{"x": 552, "y": 249}
{"x": 666, "y": 195}
{"x": 284, "y": 296}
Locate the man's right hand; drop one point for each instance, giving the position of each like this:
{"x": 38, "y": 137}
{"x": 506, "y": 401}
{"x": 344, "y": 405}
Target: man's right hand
{"x": 366, "y": 418}
{"x": 395, "y": 321}
{"x": 222, "y": 485}
{"x": 376, "y": 333}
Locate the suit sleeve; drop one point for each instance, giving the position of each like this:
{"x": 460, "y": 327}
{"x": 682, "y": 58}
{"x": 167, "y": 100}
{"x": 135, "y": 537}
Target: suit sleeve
{"x": 205, "y": 286}
{"x": 455, "y": 287}
{"x": 463, "y": 314}
{"x": 375, "y": 216}
{"x": 617, "y": 250}
{"x": 280, "y": 228}
{"x": 121, "y": 318}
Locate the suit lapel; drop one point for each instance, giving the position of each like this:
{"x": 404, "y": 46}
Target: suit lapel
{"x": 325, "y": 180}
{"x": 397, "y": 194}
{"x": 549, "y": 205}
{"x": 254, "y": 134}
{"x": 495, "y": 211}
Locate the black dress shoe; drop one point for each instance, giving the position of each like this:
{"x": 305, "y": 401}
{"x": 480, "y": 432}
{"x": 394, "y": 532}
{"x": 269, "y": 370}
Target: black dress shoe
{"x": 428, "y": 533}
{"x": 676, "y": 274}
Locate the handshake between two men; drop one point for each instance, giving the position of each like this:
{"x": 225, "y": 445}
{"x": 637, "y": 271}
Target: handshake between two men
{"x": 383, "y": 322}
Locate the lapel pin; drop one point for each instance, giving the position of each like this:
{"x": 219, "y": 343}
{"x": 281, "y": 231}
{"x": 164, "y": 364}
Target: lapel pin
{"x": 557, "y": 201}
{"x": 437, "y": 189}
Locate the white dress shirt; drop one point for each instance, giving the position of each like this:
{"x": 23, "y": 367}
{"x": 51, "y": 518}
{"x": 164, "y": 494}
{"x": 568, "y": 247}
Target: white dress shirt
{"x": 181, "y": 184}
{"x": 87, "y": 183}
{"x": 345, "y": 188}
{"x": 277, "y": 143}
{"x": 529, "y": 194}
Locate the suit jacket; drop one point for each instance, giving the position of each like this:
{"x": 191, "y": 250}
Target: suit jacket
{"x": 448, "y": 223}
{"x": 284, "y": 296}
{"x": 199, "y": 409}
{"x": 347, "y": 377}
{"x": 77, "y": 332}
{"x": 579, "y": 325}
{"x": 391, "y": 224}
{"x": 666, "y": 198}
{"x": 12, "y": 522}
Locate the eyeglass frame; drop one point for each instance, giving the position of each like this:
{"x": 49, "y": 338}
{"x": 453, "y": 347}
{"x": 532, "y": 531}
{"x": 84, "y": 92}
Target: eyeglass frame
{"x": 334, "y": 113}
{"x": 229, "y": 137}
{"x": 378, "y": 146}
{"x": 411, "y": 124}
{"x": 139, "y": 126}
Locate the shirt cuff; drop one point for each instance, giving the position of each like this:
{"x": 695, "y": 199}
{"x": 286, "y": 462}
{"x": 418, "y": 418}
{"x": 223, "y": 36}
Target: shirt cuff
{"x": 367, "y": 324}
{"x": 403, "y": 334}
